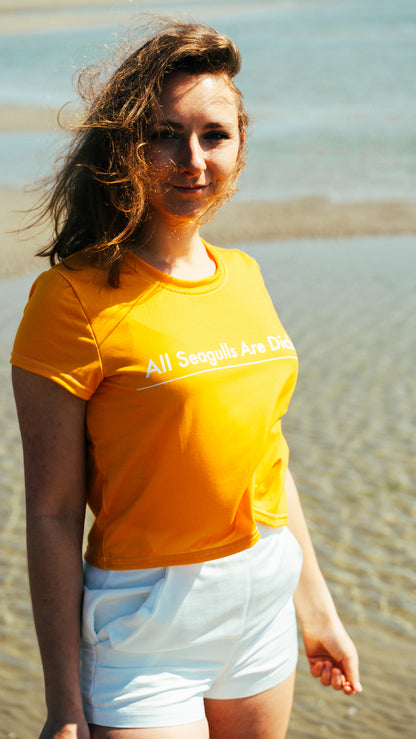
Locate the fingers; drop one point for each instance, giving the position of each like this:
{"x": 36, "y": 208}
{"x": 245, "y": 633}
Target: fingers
{"x": 330, "y": 675}
{"x": 352, "y": 681}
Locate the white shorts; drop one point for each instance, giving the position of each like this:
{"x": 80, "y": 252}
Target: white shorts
{"x": 156, "y": 642}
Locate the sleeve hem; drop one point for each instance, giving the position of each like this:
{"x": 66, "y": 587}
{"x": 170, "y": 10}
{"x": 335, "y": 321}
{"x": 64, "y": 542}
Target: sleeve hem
{"x": 51, "y": 373}
{"x": 82, "y": 307}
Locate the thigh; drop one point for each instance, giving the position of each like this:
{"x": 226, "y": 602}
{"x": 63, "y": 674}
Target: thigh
{"x": 196, "y": 730}
{"x": 262, "y": 716}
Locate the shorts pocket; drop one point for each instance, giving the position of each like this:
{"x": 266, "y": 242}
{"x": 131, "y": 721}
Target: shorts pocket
{"x": 113, "y": 614}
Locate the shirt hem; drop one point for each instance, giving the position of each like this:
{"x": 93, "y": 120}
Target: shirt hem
{"x": 171, "y": 560}
{"x": 271, "y": 519}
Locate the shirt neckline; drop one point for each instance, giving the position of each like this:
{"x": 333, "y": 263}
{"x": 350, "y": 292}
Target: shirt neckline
{"x": 205, "y": 285}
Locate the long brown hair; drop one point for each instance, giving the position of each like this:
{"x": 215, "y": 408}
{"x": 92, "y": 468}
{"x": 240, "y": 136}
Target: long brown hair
{"x": 97, "y": 200}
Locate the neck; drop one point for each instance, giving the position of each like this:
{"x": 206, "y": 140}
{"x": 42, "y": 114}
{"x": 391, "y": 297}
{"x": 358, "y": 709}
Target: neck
{"x": 177, "y": 251}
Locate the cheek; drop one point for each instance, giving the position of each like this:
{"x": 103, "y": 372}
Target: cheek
{"x": 226, "y": 164}
{"x": 160, "y": 161}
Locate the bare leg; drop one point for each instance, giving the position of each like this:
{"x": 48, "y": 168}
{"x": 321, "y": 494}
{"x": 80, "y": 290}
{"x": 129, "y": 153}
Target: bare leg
{"x": 262, "y": 716}
{"x": 198, "y": 730}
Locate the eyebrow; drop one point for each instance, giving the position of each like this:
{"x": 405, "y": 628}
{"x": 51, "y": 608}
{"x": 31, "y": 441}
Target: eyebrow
{"x": 176, "y": 126}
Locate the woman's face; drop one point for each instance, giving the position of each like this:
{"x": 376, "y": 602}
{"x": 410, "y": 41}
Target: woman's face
{"x": 193, "y": 150}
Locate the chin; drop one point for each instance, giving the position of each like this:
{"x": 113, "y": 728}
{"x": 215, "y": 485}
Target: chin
{"x": 189, "y": 211}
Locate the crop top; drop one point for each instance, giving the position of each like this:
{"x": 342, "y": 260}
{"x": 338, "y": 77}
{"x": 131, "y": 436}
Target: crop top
{"x": 185, "y": 383}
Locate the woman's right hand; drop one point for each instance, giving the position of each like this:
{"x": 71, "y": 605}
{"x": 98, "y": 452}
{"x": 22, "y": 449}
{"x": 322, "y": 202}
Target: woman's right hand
{"x": 64, "y": 730}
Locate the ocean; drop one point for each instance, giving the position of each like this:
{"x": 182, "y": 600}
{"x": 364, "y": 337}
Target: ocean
{"x": 329, "y": 86}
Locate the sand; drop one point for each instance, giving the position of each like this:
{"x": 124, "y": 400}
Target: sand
{"x": 350, "y": 430}
{"x": 346, "y": 303}
{"x": 236, "y": 222}
{"x": 16, "y": 118}
{"x": 28, "y": 16}
{"x": 350, "y": 307}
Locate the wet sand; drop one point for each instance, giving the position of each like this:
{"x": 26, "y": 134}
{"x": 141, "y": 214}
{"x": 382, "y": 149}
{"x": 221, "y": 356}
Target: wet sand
{"x": 28, "y": 16}
{"x": 349, "y": 304}
{"x": 27, "y": 118}
{"x": 350, "y": 307}
{"x": 237, "y": 221}
{"x": 19, "y": 16}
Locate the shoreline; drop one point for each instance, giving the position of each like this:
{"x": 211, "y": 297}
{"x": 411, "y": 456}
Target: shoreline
{"x": 236, "y": 222}
{"x": 32, "y": 16}
{"x": 27, "y": 118}
{"x": 310, "y": 217}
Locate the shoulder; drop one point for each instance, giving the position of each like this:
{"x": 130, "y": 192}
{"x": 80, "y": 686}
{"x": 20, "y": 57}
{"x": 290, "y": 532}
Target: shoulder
{"x": 62, "y": 301}
{"x": 235, "y": 258}
{"x": 56, "y": 338}
{"x": 78, "y": 273}
{"x": 75, "y": 296}
{"x": 73, "y": 271}
{"x": 72, "y": 284}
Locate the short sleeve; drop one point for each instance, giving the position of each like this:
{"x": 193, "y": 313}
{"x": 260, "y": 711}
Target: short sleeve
{"x": 55, "y": 338}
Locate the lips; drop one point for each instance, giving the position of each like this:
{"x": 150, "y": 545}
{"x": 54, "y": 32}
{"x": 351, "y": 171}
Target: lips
{"x": 191, "y": 189}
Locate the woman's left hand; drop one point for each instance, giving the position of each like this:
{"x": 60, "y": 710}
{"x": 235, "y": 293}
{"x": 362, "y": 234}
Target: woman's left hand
{"x": 332, "y": 656}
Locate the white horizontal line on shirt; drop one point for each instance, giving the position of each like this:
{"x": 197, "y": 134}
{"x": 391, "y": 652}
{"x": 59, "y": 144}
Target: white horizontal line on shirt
{"x": 214, "y": 369}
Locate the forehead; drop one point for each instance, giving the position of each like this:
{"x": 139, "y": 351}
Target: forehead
{"x": 184, "y": 93}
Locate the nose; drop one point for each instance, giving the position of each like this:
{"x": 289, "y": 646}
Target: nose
{"x": 192, "y": 159}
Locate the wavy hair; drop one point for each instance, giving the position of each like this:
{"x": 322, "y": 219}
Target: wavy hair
{"x": 97, "y": 199}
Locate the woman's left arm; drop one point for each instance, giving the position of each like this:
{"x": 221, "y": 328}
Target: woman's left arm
{"x": 331, "y": 653}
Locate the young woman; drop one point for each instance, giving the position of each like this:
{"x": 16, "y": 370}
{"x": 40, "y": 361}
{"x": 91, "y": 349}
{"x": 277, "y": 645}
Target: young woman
{"x": 151, "y": 373}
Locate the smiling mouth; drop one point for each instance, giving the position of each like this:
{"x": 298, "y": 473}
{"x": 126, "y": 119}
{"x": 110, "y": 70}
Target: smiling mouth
{"x": 191, "y": 189}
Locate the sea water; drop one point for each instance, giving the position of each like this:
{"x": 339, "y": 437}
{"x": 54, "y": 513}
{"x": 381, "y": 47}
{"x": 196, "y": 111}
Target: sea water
{"x": 330, "y": 89}
{"x": 329, "y": 86}
{"x": 349, "y": 305}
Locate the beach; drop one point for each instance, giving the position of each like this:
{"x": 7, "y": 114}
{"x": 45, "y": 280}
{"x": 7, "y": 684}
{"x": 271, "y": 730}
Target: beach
{"x": 237, "y": 221}
{"x": 351, "y": 433}
{"x": 340, "y": 264}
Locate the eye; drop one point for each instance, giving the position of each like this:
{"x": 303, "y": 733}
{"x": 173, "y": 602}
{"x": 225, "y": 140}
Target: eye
{"x": 164, "y": 134}
{"x": 216, "y": 136}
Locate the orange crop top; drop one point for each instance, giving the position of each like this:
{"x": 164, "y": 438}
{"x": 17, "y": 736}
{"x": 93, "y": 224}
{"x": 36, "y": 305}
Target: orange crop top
{"x": 186, "y": 384}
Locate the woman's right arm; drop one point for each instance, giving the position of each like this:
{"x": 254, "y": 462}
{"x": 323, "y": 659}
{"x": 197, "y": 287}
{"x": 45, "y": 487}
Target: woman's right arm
{"x": 52, "y": 425}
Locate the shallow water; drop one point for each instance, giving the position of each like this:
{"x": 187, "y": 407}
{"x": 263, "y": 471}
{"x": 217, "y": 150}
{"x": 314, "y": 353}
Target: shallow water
{"x": 329, "y": 85}
{"x": 349, "y": 306}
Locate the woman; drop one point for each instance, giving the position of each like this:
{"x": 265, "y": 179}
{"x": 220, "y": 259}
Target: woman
{"x": 150, "y": 374}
